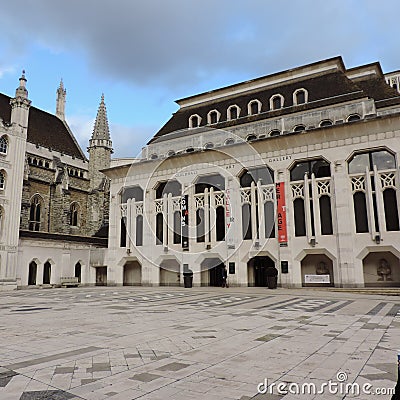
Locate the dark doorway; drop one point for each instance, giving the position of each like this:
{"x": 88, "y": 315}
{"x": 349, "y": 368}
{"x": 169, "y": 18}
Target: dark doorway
{"x": 216, "y": 274}
{"x": 257, "y": 270}
{"x": 46, "y": 273}
{"x": 101, "y": 276}
{"x": 78, "y": 271}
{"x": 32, "y": 273}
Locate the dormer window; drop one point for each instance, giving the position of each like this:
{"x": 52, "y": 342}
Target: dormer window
{"x": 254, "y": 107}
{"x": 229, "y": 141}
{"x": 208, "y": 145}
{"x": 154, "y": 156}
{"x": 353, "y": 117}
{"x": 275, "y": 132}
{"x": 194, "y": 121}
{"x": 300, "y": 96}
{"x": 233, "y": 112}
{"x": 250, "y": 138}
{"x": 326, "y": 122}
{"x": 276, "y": 102}
{"x": 213, "y": 117}
{"x": 299, "y": 128}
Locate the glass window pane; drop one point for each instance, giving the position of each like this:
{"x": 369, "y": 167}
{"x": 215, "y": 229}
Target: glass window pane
{"x": 358, "y": 163}
{"x": 383, "y": 160}
{"x": 297, "y": 173}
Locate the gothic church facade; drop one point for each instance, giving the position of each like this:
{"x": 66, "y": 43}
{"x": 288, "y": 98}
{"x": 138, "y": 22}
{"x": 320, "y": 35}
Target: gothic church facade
{"x": 54, "y": 200}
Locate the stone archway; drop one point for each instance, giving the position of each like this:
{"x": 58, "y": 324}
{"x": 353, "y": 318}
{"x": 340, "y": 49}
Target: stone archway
{"x": 317, "y": 271}
{"x": 256, "y": 270}
{"x": 211, "y": 272}
{"x": 169, "y": 273}
{"x": 132, "y": 273}
{"x": 381, "y": 269}
{"x": 32, "y": 272}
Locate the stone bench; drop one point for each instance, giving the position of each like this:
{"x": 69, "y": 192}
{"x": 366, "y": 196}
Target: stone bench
{"x": 69, "y": 281}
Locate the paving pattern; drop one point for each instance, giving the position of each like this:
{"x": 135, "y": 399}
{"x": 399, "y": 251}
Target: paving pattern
{"x": 200, "y": 343}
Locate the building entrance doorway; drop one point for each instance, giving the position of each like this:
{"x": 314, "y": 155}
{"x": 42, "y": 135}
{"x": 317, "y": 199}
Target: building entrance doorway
{"x": 132, "y": 274}
{"x": 101, "y": 276}
{"x": 257, "y": 270}
{"x": 216, "y": 275}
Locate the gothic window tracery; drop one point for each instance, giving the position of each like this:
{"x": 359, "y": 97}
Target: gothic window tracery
{"x": 3, "y": 145}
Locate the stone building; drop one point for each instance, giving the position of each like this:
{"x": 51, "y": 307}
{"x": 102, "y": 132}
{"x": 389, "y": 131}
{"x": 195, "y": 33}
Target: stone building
{"x": 54, "y": 201}
{"x": 297, "y": 170}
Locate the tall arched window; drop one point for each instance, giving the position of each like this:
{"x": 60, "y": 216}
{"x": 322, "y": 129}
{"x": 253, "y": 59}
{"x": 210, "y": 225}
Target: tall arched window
{"x": 254, "y": 107}
{"x": 177, "y": 227}
{"x": 74, "y": 213}
{"x": 220, "y": 223}
{"x": 276, "y": 102}
{"x": 3, "y": 145}
{"x": 2, "y": 180}
{"x": 391, "y": 211}
{"x": 246, "y": 222}
{"x": 300, "y": 96}
{"x": 122, "y": 239}
{"x": 159, "y": 228}
{"x": 200, "y": 225}
{"x": 46, "y": 273}
{"x": 78, "y": 271}
{"x": 194, "y": 121}
{"x": 233, "y": 112}
{"x": 32, "y": 273}
{"x": 139, "y": 230}
{"x": 269, "y": 216}
{"x": 35, "y": 214}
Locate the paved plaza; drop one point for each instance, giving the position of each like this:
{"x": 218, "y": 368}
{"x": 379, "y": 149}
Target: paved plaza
{"x": 162, "y": 343}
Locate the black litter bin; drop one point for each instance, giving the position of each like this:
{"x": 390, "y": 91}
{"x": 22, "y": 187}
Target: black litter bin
{"x": 272, "y": 277}
{"x": 188, "y": 278}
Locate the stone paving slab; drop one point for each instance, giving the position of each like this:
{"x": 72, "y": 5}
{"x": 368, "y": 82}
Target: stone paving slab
{"x": 199, "y": 343}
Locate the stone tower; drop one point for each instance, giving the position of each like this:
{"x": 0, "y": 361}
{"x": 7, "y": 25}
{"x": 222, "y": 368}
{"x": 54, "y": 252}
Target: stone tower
{"x": 100, "y": 147}
{"x": 12, "y": 170}
{"x": 60, "y": 105}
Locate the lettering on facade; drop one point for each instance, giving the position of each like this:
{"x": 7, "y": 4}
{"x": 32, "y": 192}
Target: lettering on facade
{"x": 8, "y": 248}
{"x": 281, "y": 212}
{"x": 185, "y": 221}
{"x": 186, "y": 173}
{"x": 281, "y": 158}
{"x": 228, "y": 214}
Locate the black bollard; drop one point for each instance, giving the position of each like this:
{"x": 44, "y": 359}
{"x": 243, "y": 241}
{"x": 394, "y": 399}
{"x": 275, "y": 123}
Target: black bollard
{"x": 396, "y": 395}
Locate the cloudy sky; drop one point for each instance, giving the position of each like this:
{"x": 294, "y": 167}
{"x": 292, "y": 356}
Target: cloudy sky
{"x": 144, "y": 54}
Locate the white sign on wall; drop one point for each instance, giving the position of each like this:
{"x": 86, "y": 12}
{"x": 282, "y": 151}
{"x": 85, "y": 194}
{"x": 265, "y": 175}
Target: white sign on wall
{"x": 317, "y": 279}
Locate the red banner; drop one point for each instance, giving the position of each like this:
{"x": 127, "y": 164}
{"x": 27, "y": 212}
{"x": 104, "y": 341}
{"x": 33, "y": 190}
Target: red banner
{"x": 281, "y": 212}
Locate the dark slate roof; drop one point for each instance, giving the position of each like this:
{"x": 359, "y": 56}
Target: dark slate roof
{"x": 323, "y": 90}
{"x": 45, "y": 129}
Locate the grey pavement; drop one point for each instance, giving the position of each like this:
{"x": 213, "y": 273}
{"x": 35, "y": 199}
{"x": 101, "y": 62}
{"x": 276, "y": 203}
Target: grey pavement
{"x": 122, "y": 343}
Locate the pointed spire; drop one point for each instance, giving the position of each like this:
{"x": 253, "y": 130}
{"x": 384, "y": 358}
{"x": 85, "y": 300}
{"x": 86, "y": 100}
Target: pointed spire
{"x": 21, "y": 90}
{"x": 60, "y": 103}
{"x": 101, "y": 129}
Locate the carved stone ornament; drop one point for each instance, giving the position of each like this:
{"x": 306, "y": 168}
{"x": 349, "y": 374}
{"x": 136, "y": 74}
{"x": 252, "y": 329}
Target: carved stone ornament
{"x": 384, "y": 271}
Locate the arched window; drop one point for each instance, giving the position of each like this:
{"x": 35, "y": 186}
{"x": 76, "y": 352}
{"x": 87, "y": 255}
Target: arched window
{"x": 3, "y": 145}
{"x": 154, "y": 156}
{"x": 233, "y": 112}
{"x": 208, "y": 146}
{"x": 35, "y": 214}
{"x": 172, "y": 187}
{"x": 122, "y": 240}
{"x": 159, "y": 228}
{"x": 246, "y": 222}
{"x": 319, "y": 167}
{"x": 74, "y": 213}
{"x": 325, "y": 213}
{"x": 251, "y": 138}
{"x": 263, "y": 174}
{"x": 325, "y": 122}
{"x": 299, "y": 218}
{"x": 200, "y": 225}
{"x": 78, "y": 271}
{"x": 139, "y": 230}
{"x": 353, "y": 117}
{"x": 213, "y": 117}
{"x": 32, "y": 273}
{"x": 177, "y": 227}
{"x": 171, "y": 153}
{"x": 276, "y": 102}
{"x": 46, "y": 273}
{"x": 220, "y": 223}
{"x": 300, "y": 96}
{"x": 229, "y": 141}
{"x": 269, "y": 216}
{"x": 254, "y": 107}
{"x": 299, "y": 128}
{"x": 360, "y": 212}
{"x": 391, "y": 211}
{"x": 194, "y": 121}
{"x": 2, "y": 180}
{"x": 275, "y": 132}
{"x": 132, "y": 192}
